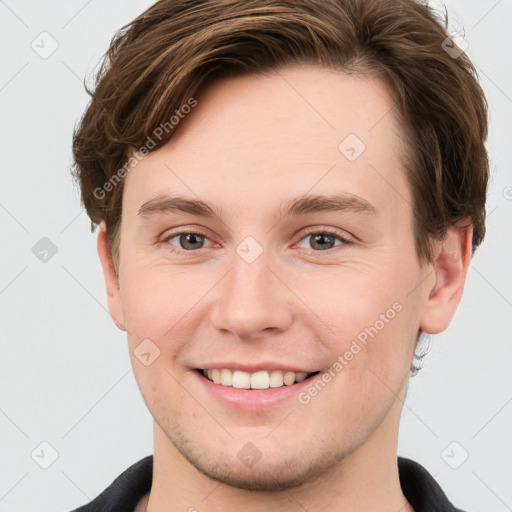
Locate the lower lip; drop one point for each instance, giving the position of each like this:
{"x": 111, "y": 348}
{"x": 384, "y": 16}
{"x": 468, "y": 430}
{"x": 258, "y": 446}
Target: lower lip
{"x": 252, "y": 399}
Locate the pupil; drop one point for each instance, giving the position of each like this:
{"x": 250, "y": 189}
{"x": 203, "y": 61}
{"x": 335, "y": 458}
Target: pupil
{"x": 317, "y": 239}
{"x": 185, "y": 239}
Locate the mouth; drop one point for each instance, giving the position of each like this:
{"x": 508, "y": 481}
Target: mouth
{"x": 260, "y": 380}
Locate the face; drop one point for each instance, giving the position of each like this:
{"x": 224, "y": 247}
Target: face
{"x": 304, "y": 260}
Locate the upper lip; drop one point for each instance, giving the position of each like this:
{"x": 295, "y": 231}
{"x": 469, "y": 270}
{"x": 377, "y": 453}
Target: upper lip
{"x": 253, "y": 368}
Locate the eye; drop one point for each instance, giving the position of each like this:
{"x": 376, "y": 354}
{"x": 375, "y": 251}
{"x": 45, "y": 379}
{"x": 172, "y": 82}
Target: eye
{"x": 324, "y": 239}
{"x": 187, "y": 240}
{"x": 320, "y": 239}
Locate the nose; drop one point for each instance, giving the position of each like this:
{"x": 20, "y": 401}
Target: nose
{"x": 251, "y": 299}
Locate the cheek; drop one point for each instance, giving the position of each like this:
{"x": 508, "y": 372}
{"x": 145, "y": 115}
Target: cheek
{"x": 348, "y": 300}
{"x": 370, "y": 363}
{"x": 155, "y": 300}
{"x": 373, "y": 321}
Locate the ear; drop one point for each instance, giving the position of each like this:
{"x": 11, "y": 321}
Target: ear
{"x": 452, "y": 257}
{"x": 111, "y": 279}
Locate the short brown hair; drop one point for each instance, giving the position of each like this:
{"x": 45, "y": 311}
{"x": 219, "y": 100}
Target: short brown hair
{"x": 164, "y": 57}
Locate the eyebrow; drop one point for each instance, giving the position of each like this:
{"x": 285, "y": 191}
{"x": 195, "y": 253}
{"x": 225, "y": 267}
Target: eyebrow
{"x": 297, "y": 206}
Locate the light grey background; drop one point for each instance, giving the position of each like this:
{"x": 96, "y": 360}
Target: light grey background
{"x": 65, "y": 372}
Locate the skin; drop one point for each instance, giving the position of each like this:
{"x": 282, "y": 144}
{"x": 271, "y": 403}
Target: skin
{"x": 251, "y": 144}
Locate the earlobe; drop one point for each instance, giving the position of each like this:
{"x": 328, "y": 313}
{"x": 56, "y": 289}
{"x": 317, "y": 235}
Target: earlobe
{"x": 111, "y": 279}
{"x": 452, "y": 257}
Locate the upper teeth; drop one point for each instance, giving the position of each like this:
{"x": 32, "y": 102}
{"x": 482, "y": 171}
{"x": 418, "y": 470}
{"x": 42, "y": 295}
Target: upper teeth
{"x": 258, "y": 380}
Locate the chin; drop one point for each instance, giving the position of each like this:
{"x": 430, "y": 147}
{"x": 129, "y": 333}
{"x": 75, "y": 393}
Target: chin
{"x": 268, "y": 477}
{"x": 278, "y": 471}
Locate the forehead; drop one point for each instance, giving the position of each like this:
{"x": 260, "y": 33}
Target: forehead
{"x": 297, "y": 130}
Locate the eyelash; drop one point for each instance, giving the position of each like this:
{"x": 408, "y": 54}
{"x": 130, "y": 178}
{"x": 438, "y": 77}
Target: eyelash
{"x": 316, "y": 231}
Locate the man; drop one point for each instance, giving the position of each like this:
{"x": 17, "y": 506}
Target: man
{"x": 289, "y": 195}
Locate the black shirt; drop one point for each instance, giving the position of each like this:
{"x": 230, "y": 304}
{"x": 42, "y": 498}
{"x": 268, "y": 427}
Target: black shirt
{"x": 418, "y": 486}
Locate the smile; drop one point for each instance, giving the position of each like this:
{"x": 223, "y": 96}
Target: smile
{"x": 262, "y": 379}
